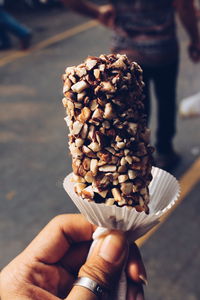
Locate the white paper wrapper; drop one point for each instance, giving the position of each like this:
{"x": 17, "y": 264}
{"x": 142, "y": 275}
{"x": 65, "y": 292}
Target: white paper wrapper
{"x": 190, "y": 107}
{"x": 164, "y": 191}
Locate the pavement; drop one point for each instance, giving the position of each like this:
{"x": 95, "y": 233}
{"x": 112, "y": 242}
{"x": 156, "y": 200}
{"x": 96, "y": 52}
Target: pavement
{"x": 35, "y": 157}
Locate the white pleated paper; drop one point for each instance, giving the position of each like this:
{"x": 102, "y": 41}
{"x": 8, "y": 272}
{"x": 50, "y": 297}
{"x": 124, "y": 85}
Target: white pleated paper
{"x": 164, "y": 191}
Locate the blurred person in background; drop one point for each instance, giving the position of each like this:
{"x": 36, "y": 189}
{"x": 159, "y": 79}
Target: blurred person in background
{"x": 9, "y": 24}
{"x": 146, "y": 31}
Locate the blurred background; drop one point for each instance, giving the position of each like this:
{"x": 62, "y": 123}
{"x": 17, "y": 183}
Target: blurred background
{"x": 34, "y": 156}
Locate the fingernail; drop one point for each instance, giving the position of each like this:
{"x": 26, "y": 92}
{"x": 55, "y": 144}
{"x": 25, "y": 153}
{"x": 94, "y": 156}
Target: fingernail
{"x": 140, "y": 296}
{"x": 113, "y": 248}
{"x": 143, "y": 279}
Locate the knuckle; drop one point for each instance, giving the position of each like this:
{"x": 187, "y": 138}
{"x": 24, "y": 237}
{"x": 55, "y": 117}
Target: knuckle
{"x": 100, "y": 271}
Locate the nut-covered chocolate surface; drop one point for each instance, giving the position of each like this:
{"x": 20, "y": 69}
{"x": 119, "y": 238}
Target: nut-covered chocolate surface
{"x": 108, "y": 140}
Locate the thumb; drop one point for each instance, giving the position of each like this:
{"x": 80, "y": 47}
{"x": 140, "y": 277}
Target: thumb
{"x": 104, "y": 265}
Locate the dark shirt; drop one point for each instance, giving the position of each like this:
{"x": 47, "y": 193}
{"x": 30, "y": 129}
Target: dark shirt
{"x": 145, "y": 30}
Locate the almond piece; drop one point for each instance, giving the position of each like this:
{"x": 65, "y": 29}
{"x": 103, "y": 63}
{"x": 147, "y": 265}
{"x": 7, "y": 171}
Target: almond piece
{"x": 81, "y": 72}
{"x": 119, "y": 64}
{"x": 102, "y": 67}
{"x": 108, "y": 168}
{"x": 70, "y": 70}
{"x": 91, "y": 133}
{"x": 116, "y": 182}
{"x": 78, "y": 187}
{"x": 108, "y": 112}
{"x": 86, "y": 163}
{"x": 122, "y": 169}
{"x": 118, "y": 139}
{"x": 111, "y": 150}
{"x": 121, "y": 203}
{"x": 104, "y": 156}
{"x": 141, "y": 201}
{"x": 88, "y": 192}
{"x": 103, "y": 193}
{"x": 110, "y": 201}
{"x": 116, "y": 194}
{"x": 67, "y": 85}
{"x": 84, "y": 115}
{"x": 84, "y": 131}
{"x": 81, "y": 171}
{"x": 72, "y": 78}
{"x": 93, "y": 104}
{"x": 94, "y": 166}
{"x": 90, "y": 64}
{"x": 77, "y": 178}
{"x": 96, "y": 73}
{"x": 77, "y": 126}
{"x": 122, "y": 178}
{"x": 88, "y": 152}
{"x": 75, "y": 152}
{"x": 126, "y": 188}
{"x": 132, "y": 128}
{"x": 123, "y": 161}
{"x": 128, "y": 159}
{"x": 79, "y": 86}
{"x": 80, "y": 96}
{"x": 132, "y": 174}
{"x": 126, "y": 151}
{"x": 120, "y": 145}
{"x": 78, "y": 105}
{"x": 97, "y": 114}
{"x": 106, "y": 86}
{"x": 89, "y": 177}
{"x": 94, "y": 146}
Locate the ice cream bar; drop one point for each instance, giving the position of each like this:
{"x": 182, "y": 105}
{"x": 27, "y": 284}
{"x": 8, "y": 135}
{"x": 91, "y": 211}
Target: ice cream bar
{"x": 108, "y": 136}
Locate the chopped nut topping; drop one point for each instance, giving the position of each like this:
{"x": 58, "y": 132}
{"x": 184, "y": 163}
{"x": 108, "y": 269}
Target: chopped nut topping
{"x": 109, "y": 113}
{"x": 79, "y": 86}
{"x": 97, "y": 73}
{"x": 77, "y": 178}
{"x": 127, "y": 188}
{"x": 89, "y": 177}
{"x": 85, "y": 115}
{"x": 79, "y": 187}
{"x": 110, "y": 201}
{"x": 94, "y": 166}
{"x": 122, "y": 169}
{"x": 108, "y": 139}
{"x": 116, "y": 194}
{"x": 94, "y": 147}
{"x": 122, "y": 178}
{"x": 108, "y": 168}
{"x": 86, "y": 163}
{"x": 88, "y": 192}
{"x": 128, "y": 159}
{"x": 132, "y": 174}
{"x": 81, "y": 72}
{"x": 84, "y": 131}
{"x": 120, "y": 145}
{"x": 80, "y": 96}
{"x": 123, "y": 161}
{"x": 90, "y": 64}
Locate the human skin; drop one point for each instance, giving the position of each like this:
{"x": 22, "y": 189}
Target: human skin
{"x": 48, "y": 267}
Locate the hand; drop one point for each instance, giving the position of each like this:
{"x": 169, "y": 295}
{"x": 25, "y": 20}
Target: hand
{"x": 48, "y": 267}
{"x": 106, "y": 15}
{"x": 194, "y": 51}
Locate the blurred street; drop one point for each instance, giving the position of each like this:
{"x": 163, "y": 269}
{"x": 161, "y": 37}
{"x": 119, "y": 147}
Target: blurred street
{"x": 34, "y": 156}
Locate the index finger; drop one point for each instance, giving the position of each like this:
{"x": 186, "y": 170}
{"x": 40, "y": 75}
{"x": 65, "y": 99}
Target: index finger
{"x": 54, "y": 240}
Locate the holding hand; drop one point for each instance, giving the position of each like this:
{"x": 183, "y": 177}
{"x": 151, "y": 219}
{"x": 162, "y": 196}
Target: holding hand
{"x": 49, "y": 266}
